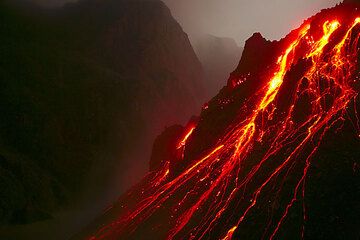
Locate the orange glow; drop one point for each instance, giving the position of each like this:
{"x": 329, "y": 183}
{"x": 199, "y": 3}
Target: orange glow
{"x": 340, "y": 45}
{"x": 230, "y": 233}
{"x": 183, "y": 141}
{"x": 284, "y": 62}
{"x": 203, "y": 159}
{"x": 217, "y": 185}
{"x": 328, "y": 28}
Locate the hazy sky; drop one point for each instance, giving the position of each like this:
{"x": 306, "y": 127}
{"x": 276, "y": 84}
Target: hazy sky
{"x": 239, "y": 19}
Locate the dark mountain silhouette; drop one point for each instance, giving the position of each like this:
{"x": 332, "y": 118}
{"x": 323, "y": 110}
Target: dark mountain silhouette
{"x": 275, "y": 155}
{"x": 84, "y": 90}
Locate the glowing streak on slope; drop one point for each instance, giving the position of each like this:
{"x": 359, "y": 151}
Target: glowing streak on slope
{"x": 338, "y": 61}
{"x": 342, "y": 43}
{"x": 156, "y": 199}
{"x": 248, "y": 130}
{"x": 218, "y": 180}
{"x": 328, "y": 29}
{"x": 245, "y": 133}
{"x": 230, "y": 233}
{"x": 317, "y": 50}
{"x": 183, "y": 141}
{"x": 277, "y": 80}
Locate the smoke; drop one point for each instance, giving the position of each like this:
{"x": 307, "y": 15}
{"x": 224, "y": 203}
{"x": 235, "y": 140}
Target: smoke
{"x": 239, "y": 19}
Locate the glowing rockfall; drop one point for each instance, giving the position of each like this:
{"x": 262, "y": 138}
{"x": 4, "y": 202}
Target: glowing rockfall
{"x": 251, "y": 162}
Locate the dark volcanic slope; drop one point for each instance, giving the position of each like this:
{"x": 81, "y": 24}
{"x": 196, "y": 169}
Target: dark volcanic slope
{"x": 81, "y": 88}
{"x": 275, "y": 155}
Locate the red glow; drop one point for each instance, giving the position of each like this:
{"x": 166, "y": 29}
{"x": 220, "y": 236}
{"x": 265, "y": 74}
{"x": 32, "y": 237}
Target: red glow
{"x": 217, "y": 181}
{"x": 183, "y": 141}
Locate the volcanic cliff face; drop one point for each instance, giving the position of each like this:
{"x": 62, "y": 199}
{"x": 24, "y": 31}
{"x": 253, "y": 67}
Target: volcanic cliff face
{"x": 83, "y": 87}
{"x": 275, "y": 155}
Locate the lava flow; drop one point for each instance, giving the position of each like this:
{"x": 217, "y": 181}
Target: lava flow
{"x": 269, "y": 143}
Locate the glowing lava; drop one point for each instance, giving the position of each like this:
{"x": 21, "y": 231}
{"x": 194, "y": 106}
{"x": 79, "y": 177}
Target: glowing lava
{"x": 215, "y": 194}
{"x": 183, "y": 141}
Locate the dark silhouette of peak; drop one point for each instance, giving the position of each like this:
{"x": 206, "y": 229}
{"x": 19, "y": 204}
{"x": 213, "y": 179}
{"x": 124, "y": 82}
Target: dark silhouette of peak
{"x": 250, "y": 63}
{"x": 85, "y": 90}
{"x": 256, "y": 38}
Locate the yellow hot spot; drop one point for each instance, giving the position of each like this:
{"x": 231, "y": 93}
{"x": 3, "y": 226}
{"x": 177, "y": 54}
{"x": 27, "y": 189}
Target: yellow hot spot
{"x": 230, "y": 233}
{"x": 342, "y": 43}
{"x": 278, "y": 78}
{"x": 183, "y": 141}
{"x": 329, "y": 28}
{"x": 246, "y": 136}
